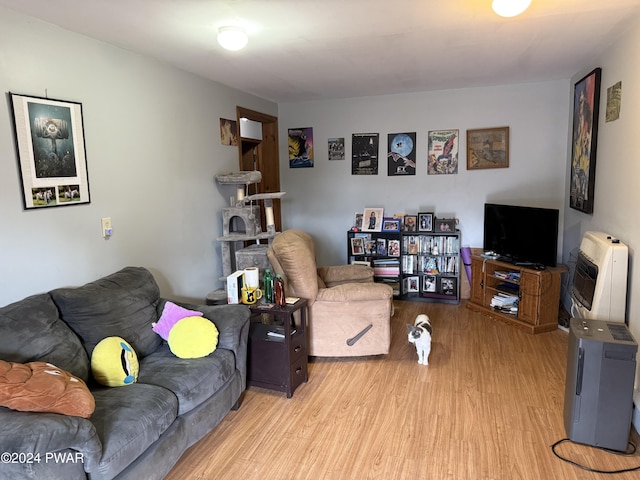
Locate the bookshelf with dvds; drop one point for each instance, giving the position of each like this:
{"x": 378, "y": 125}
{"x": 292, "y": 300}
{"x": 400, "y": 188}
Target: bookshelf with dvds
{"x": 520, "y": 296}
{"x": 420, "y": 266}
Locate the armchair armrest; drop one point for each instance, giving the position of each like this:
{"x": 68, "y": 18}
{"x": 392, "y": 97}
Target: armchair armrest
{"x": 340, "y": 274}
{"x": 355, "y": 292}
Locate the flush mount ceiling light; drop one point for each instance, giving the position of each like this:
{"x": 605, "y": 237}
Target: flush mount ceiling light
{"x": 510, "y": 8}
{"x": 232, "y": 38}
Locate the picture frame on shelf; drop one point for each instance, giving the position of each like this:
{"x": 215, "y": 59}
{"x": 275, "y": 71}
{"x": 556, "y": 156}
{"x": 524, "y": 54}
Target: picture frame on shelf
{"x": 449, "y": 286}
{"x": 381, "y": 247}
{"x": 410, "y": 223}
{"x": 357, "y": 221}
{"x": 444, "y": 225}
{"x": 372, "y": 219}
{"x": 370, "y": 247}
{"x": 394, "y": 248}
{"x": 586, "y": 101}
{"x": 49, "y": 136}
{"x": 425, "y": 222}
{"x": 488, "y": 148}
{"x": 429, "y": 283}
{"x": 412, "y": 284}
{"x": 357, "y": 246}
{"x": 391, "y": 224}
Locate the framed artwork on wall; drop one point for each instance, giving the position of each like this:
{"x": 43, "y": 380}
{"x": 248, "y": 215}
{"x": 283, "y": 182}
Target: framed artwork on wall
{"x": 49, "y": 137}
{"x": 488, "y": 148}
{"x": 586, "y": 101}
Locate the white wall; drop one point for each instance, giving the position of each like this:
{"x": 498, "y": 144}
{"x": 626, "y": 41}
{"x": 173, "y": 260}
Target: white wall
{"x": 617, "y": 192}
{"x": 323, "y": 199}
{"x": 153, "y": 149}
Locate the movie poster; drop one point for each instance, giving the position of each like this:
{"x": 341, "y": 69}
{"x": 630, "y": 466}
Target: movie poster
{"x": 364, "y": 153}
{"x": 300, "y": 147}
{"x": 336, "y": 148}
{"x": 442, "y": 156}
{"x": 401, "y": 154}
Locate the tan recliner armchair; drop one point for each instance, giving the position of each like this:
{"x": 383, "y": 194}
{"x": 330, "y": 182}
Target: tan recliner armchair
{"x": 349, "y": 314}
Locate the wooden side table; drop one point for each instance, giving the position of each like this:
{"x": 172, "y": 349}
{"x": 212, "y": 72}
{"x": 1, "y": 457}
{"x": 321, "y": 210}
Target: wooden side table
{"x": 278, "y": 346}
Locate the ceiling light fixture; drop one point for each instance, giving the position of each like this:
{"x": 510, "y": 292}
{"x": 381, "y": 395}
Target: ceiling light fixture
{"x": 510, "y": 8}
{"x": 232, "y": 38}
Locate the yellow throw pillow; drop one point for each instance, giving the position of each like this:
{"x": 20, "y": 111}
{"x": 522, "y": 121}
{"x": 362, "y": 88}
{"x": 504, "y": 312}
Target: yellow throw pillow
{"x": 114, "y": 363}
{"x": 193, "y": 337}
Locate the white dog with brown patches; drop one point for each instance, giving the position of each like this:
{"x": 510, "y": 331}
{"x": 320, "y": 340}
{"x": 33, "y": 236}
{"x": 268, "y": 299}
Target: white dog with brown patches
{"x": 420, "y": 336}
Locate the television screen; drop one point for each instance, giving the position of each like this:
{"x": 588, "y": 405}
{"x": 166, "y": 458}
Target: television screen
{"x": 521, "y": 234}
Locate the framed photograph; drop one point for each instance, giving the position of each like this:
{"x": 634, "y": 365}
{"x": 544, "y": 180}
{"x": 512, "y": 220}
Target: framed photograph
{"x": 445, "y": 225}
{"x": 381, "y": 247}
{"x": 336, "y": 148}
{"x": 425, "y": 222}
{"x": 357, "y": 246}
{"x": 412, "y": 284}
{"x": 429, "y": 283}
{"x": 394, "y": 248}
{"x": 409, "y": 223}
{"x": 357, "y": 221}
{"x": 391, "y": 224}
{"x": 49, "y": 137}
{"x": 449, "y": 286}
{"x": 488, "y": 148}
{"x": 586, "y": 99}
{"x": 372, "y": 219}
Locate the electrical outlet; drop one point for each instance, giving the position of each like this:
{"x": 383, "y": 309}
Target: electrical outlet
{"x": 107, "y": 230}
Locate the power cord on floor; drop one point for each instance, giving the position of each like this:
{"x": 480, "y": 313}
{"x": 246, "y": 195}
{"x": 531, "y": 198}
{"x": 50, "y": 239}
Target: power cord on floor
{"x": 615, "y": 452}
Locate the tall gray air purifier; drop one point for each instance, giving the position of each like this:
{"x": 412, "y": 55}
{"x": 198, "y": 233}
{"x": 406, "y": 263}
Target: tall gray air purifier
{"x": 598, "y": 401}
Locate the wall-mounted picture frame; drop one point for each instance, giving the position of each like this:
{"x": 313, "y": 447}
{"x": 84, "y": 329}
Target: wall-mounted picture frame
{"x": 443, "y": 225}
{"x": 49, "y": 136}
{"x": 425, "y": 222}
{"x": 410, "y": 223}
{"x": 391, "y": 224}
{"x": 586, "y": 101}
{"x": 372, "y": 219}
{"x": 488, "y": 148}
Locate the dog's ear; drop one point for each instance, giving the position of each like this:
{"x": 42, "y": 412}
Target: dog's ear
{"x": 410, "y": 328}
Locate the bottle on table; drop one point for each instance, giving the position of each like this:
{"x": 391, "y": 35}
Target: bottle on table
{"x": 279, "y": 290}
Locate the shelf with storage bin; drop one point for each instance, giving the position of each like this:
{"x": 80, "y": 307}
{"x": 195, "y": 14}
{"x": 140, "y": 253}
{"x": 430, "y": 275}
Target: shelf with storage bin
{"x": 431, "y": 266}
{"x": 420, "y": 266}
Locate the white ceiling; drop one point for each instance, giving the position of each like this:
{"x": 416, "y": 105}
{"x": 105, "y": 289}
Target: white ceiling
{"x": 319, "y": 49}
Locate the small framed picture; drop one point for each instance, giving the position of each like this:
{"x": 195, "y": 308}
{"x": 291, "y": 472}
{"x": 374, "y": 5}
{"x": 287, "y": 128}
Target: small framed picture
{"x": 390, "y": 224}
{"x": 372, "y": 219}
{"x": 443, "y": 225}
{"x": 409, "y": 223}
{"x": 411, "y": 284}
{"x": 448, "y": 285}
{"x": 357, "y": 246}
{"x": 381, "y": 247}
{"x": 430, "y": 283}
{"x": 425, "y": 222}
{"x": 370, "y": 247}
{"x": 357, "y": 221}
{"x": 394, "y": 248}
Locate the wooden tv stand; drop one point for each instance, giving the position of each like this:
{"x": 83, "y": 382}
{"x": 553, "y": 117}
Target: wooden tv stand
{"x": 538, "y": 292}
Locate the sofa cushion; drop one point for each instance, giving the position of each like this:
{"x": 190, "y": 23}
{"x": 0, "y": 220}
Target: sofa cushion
{"x": 43, "y": 387}
{"x": 114, "y": 363}
{"x": 193, "y": 337}
{"x": 171, "y": 314}
{"x": 127, "y": 421}
{"x": 38, "y": 334}
{"x": 192, "y": 380}
{"x": 122, "y": 304}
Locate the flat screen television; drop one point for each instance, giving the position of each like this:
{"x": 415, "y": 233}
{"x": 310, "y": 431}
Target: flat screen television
{"x": 526, "y": 235}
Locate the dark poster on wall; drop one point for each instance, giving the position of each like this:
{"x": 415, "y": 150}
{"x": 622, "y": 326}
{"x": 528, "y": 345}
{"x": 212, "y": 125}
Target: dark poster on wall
{"x": 364, "y": 153}
{"x": 401, "y": 154}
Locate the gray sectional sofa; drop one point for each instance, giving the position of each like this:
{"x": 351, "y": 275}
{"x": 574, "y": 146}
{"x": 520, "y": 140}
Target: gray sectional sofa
{"x": 137, "y": 431}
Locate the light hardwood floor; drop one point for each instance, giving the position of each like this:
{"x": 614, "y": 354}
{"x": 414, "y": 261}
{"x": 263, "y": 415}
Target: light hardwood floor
{"x": 488, "y": 406}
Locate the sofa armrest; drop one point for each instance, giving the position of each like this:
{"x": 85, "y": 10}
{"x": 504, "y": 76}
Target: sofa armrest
{"x": 33, "y": 433}
{"x": 350, "y": 292}
{"x": 339, "y": 274}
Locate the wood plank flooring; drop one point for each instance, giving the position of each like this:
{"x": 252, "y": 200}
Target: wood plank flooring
{"x": 488, "y": 406}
